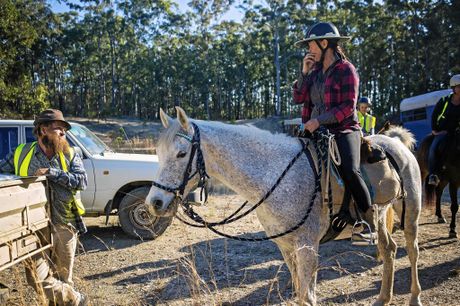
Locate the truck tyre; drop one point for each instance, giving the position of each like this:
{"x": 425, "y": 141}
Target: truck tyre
{"x": 135, "y": 219}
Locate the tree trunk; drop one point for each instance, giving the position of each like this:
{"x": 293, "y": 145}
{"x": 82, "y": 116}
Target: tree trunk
{"x": 278, "y": 69}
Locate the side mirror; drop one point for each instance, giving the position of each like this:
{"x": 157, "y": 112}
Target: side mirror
{"x": 79, "y": 151}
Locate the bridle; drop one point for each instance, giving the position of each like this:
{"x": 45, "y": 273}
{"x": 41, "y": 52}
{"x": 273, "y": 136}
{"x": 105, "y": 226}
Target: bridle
{"x": 188, "y": 175}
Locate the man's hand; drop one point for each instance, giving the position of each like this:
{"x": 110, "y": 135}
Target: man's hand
{"x": 311, "y": 125}
{"x": 42, "y": 171}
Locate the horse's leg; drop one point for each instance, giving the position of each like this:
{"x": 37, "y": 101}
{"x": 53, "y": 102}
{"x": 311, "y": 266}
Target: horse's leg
{"x": 287, "y": 253}
{"x": 387, "y": 251}
{"x": 411, "y": 234}
{"x": 306, "y": 262}
{"x": 302, "y": 262}
{"x": 439, "y": 190}
{"x": 453, "y": 208}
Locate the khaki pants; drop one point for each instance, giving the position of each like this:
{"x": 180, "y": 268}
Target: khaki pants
{"x": 57, "y": 288}
{"x": 63, "y": 255}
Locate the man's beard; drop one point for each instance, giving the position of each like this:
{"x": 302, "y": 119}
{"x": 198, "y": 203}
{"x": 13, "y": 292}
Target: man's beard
{"x": 56, "y": 144}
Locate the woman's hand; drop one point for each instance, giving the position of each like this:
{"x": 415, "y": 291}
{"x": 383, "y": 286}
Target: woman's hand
{"x": 311, "y": 125}
{"x": 308, "y": 63}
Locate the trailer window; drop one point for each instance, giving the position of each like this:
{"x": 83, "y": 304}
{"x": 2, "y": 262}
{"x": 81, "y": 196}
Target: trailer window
{"x": 8, "y": 140}
{"x": 30, "y": 137}
{"x": 414, "y": 115}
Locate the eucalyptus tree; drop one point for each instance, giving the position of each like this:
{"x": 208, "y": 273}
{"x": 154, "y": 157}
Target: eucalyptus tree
{"x": 24, "y": 27}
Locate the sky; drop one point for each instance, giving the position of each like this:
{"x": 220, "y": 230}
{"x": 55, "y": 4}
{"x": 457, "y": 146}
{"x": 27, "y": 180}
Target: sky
{"x": 233, "y": 14}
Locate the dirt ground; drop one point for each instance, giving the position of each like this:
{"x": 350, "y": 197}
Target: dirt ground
{"x": 188, "y": 266}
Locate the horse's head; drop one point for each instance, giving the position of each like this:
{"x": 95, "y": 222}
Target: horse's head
{"x": 177, "y": 151}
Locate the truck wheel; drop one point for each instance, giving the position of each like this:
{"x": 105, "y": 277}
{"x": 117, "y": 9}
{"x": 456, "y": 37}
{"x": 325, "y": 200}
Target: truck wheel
{"x": 135, "y": 219}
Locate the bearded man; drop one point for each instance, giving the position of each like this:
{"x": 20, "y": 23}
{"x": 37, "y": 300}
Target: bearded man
{"x": 52, "y": 156}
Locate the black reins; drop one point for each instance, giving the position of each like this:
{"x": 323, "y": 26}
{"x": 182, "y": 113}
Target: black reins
{"x": 201, "y": 169}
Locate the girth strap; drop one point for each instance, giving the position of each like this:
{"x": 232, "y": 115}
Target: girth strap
{"x": 398, "y": 171}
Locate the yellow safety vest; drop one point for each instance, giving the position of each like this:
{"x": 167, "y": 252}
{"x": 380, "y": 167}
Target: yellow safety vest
{"x": 367, "y": 122}
{"x": 22, "y": 158}
{"x": 444, "y": 100}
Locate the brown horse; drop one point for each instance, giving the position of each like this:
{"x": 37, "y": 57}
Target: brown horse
{"x": 449, "y": 173}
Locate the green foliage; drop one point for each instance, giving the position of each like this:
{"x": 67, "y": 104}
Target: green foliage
{"x": 23, "y": 26}
{"x": 131, "y": 58}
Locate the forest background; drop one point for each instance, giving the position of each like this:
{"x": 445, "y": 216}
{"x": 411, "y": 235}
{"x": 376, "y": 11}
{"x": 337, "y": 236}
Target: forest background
{"x": 128, "y": 58}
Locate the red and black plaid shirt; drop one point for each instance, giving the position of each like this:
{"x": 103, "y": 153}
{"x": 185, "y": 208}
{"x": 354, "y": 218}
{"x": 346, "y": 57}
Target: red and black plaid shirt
{"x": 340, "y": 95}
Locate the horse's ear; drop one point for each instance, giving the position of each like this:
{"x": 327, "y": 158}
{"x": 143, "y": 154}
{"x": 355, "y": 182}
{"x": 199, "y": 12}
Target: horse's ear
{"x": 165, "y": 119}
{"x": 182, "y": 118}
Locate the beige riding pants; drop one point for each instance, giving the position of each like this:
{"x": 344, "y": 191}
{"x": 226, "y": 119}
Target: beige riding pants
{"x": 52, "y": 275}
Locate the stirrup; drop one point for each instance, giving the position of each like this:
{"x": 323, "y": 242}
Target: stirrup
{"x": 433, "y": 180}
{"x": 338, "y": 224}
{"x": 357, "y": 238}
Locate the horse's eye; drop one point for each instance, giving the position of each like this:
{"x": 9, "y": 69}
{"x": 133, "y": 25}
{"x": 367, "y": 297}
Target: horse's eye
{"x": 181, "y": 154}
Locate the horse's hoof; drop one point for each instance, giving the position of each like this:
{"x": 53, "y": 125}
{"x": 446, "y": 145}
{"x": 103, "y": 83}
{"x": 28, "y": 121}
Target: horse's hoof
{"x": 416, "y": 304}
{"x": 441, "y": 220}
{"x": 381, "y": 302}
{"x": 415, "y": 301}
{"x": 453, "y": 235}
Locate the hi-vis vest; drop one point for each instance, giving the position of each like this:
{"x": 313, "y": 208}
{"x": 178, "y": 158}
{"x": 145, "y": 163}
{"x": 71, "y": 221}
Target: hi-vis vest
{"x": 22, "y": 158}
{"x": 444, "y": 100}
{"x": 367, "y": 122}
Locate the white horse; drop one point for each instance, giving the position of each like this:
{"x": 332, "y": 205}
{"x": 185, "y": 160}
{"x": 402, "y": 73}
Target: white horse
{"x": 249, "y": 161}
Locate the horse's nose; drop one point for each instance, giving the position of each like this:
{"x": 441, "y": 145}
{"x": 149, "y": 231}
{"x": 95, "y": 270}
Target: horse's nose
{"x": 157, "y": 204}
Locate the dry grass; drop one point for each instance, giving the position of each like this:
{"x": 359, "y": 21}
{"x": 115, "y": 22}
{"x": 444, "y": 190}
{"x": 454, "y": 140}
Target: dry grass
{"x": 134, "y": 145}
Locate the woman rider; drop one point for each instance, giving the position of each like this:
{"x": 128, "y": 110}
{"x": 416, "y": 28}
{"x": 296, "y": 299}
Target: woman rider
{"x": 328, "y": 89}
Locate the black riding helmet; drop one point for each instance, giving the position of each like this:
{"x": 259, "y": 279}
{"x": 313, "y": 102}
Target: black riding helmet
{"x": 319, "y": 31}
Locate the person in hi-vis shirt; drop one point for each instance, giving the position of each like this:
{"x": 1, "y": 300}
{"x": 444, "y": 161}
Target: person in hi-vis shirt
{"x": 366, "y": 120}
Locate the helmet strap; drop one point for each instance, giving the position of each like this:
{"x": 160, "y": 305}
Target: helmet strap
{"x": 323, "y": 51}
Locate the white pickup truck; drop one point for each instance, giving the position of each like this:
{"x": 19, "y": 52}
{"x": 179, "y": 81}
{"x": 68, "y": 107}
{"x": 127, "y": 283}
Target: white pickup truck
{"x": 117, "y": 182}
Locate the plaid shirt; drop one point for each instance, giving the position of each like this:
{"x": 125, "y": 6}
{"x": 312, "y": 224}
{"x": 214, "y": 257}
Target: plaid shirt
{"x": 62, "y": 183}
{"x": 340, "y": 95}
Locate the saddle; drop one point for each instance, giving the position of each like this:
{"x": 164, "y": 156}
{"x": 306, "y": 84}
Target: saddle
{"x": 341, "y": 210}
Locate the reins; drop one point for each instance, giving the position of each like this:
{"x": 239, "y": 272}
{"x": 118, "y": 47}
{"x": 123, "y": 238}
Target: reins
{"x": 189, "y": 210}
{"x": 202, "y": 223}
{"x": 200, "y": 168}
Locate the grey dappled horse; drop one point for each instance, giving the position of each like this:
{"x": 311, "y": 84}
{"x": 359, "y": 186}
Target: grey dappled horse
{"x": 249, "y": 161}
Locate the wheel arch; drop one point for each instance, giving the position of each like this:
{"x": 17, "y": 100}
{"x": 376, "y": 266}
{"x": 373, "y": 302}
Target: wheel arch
{"x": 125, "y": 190}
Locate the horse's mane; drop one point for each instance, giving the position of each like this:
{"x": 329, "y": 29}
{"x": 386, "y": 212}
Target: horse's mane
{"x": 246, "y": 132}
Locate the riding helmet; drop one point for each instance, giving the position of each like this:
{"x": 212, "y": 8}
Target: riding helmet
{"x": 365, "y": 100}
{"x": 455, "y": 80}
{"x": 321, "y": 30}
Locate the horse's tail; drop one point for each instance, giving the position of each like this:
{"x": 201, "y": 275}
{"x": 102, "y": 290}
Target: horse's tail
{"x": 406, "y": 137}
{"x": 430, "y": 195}
{"x": 422, "y": 158}
{"x": 390, "y": 221}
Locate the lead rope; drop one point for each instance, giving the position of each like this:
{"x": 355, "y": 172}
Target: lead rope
{"x": 327, "y": 150}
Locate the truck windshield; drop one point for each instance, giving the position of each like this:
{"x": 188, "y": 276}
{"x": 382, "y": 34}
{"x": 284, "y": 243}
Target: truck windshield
{"x": 90, "y": 141}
